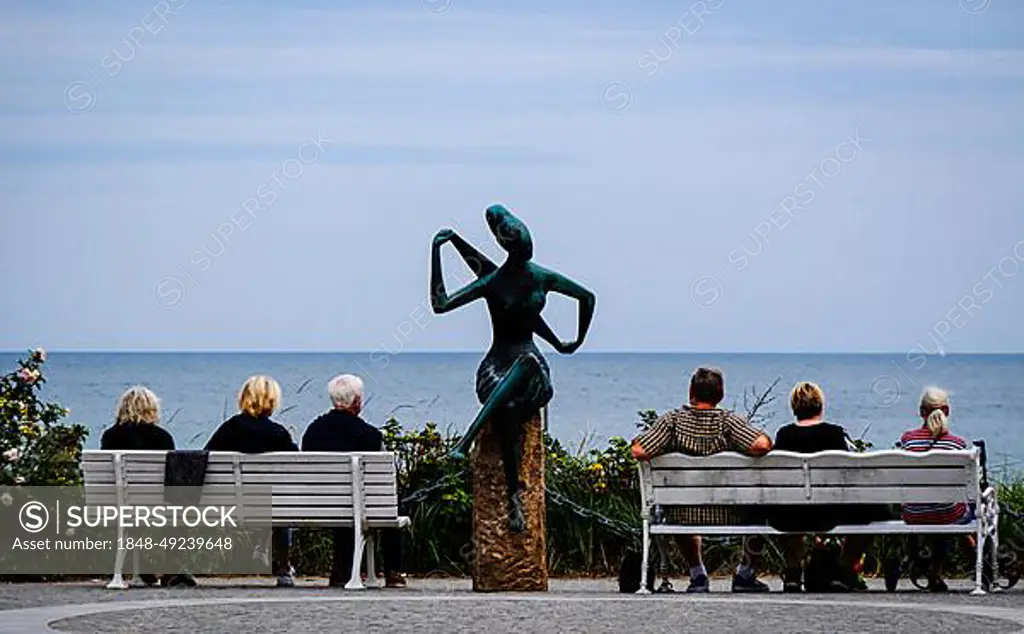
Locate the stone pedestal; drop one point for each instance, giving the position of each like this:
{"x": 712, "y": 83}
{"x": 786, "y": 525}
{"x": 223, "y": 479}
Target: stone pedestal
{"x": 504, "y": 561}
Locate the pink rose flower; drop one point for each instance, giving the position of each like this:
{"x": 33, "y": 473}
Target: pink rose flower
{"x": 12, "y": 455}
{"x": 28, "y": 376}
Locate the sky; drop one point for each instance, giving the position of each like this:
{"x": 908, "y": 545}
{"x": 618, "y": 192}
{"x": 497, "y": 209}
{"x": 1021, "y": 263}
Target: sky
{"x": 726, "y": 175}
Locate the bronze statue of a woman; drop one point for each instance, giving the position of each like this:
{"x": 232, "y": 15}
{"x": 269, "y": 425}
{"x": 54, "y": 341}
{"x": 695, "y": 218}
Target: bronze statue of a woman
{"x": 513, "y": 381}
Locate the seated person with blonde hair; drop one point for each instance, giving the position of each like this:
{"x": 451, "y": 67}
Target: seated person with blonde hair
{"x": 136, "y": 426}
{"x": 136, "y": 423}
{"x": 252, "y": 431}
{"x": 810, "y": 434}
{"x": 933, "y": 435}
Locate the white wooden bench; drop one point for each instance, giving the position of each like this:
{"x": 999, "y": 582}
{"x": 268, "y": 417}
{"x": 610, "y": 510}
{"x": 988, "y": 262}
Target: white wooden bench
{"x": 322, "y": 489}
{"x": 827, "y": 477}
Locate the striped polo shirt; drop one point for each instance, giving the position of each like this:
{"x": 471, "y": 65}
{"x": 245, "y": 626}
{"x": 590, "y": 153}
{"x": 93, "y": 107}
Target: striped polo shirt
{"x": 918, "y": 440}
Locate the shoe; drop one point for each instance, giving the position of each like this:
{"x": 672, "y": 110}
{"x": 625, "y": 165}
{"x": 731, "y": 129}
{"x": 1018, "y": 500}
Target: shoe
{"x": 893, "y": 570}
{"x": 180, "y": 581}
{"x": 150, "y": 580}
{"x": 792, "y": 580}
{"x": 699, "y": 585}
{"x": 665, "y": 587}
{"x": 847, "y": 581}
{"x": 394, "y": 581}
{"x": 937, "y": 585}
{"x": 748, "y": 584}
{"x": 286, "y": 580}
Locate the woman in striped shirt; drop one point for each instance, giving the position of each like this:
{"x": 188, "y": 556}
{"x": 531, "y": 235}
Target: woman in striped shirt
{"x": 933, "y": 435}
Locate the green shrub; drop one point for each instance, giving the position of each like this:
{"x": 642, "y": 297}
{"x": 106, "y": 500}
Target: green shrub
{"x": 36, "y": 449}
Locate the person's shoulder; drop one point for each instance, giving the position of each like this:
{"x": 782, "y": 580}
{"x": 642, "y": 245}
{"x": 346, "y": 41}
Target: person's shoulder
{"x": 361, "y": 428}
{"x": 733, "y": 417}
{"x": 234, "y": 420}
{"x": 672, "y": 415}
{"x": 785, "y": 430}
{"x": 160, "y": 432}
{"x": 915, "y": 434}
{"x": 372, "y": 430}
{"x": 319, "y": 421}
{"x": 956, "y": 440}
{"x": 277, "y": 427}
{"x": 108, "y": 436}
{"x": 836, "y": 429}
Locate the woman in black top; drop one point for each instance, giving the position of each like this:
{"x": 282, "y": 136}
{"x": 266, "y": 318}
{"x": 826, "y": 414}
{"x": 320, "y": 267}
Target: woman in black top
{"x": 252, "y": 431}
{"x": 136, "y": 427}
{"x": 810, "y": 434}
{"x": 135, "y": 423}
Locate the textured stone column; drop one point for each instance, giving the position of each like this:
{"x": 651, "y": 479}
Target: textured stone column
{"x": 504, "y": 561}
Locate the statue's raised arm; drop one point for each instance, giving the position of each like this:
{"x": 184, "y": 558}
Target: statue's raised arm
{"x": 476, "y": 261}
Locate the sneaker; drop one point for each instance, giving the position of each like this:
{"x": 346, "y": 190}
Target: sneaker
{"x": 937, "y": 585}
{"x": 748, "y": 584}
{"x": 665, "y": 587}
{"x": 394, "y": 581}
{"x": 286, "y": 580}
{"x": 699, "y": 585}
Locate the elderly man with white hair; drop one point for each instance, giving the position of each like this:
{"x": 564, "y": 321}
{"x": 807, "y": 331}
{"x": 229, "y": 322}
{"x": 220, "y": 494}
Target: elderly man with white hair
{"x": 342, "y": 429}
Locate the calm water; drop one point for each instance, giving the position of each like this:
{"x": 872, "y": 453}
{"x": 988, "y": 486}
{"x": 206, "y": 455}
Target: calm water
{"x": 596, "y": 395}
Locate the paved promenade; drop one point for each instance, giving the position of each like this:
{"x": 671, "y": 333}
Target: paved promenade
{"x": 448, "y": 605}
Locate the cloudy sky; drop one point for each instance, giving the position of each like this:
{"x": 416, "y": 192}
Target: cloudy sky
{"x": 731, "y": 175}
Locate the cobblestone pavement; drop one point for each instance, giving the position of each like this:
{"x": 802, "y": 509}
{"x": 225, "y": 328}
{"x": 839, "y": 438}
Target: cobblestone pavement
{"x": 449, "y": 605}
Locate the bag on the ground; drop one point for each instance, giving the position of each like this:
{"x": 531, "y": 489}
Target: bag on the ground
{"x": 629, "y": 573}
{"x": 822, "y": 564}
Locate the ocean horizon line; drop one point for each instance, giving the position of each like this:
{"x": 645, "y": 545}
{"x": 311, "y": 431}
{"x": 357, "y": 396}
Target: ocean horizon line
{"x": 409, "y": 353}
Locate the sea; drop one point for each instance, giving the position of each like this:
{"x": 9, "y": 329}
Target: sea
{"x": 597, "y": 395}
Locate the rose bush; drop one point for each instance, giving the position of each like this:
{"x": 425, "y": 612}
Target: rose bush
{"x": 36, "y": 449}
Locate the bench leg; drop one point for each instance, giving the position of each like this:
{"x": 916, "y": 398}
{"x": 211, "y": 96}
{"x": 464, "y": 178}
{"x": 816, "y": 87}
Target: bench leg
{"x": 371, "y": 559}
{"x": 979, "y": 559}
{"x": 355, "y": 580}
{"x": 994, "y": 537}
{"x": 118, "y": 582}
{"x": 645, "y": 558}
{"x": 136, "y": 578}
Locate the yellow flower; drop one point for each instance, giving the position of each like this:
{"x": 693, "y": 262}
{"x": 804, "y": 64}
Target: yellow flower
{"x": 597, "y": 466}
{"x": 29, "y": 429}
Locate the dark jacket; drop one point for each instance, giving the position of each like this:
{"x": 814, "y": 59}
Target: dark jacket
{"x": 811, "y": 517}
{"x": 136, "y": 436}
{"x": 339, "y": 430}
{"x": 247, "y": 434}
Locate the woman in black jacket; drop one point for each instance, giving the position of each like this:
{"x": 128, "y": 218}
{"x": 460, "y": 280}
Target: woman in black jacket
{"x": 136, "y": 423}
{"x": 252, "y": 431}
{"x": 136, "y": 426}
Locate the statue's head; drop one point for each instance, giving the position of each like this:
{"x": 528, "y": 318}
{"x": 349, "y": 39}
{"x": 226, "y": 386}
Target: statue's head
{"x": 510, "y": 231}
